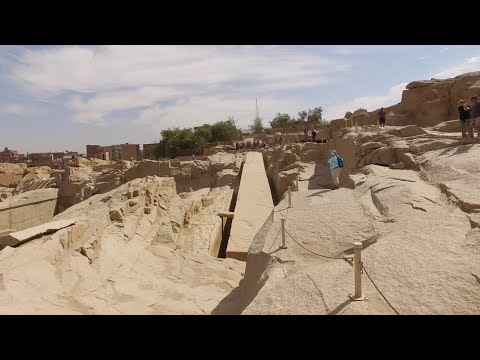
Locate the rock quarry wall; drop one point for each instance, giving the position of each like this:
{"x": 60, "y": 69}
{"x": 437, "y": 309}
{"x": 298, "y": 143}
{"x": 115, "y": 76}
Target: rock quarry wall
{"x": 26, "y": 210}
{"x": 136, "y": 249}
{"x": 425, "y": 103}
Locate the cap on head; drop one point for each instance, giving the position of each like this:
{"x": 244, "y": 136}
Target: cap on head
{"x": 333, "y": 152}
{"x": 461, "y": 101}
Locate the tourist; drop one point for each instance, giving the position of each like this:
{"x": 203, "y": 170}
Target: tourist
{"x": 464, "y": 111}
{"x": 382, "y": 115}
{"x": 314, "y": 134}
{"x": 193, "y": 157}
{"x": 305, "y": 133}
{"x": 474, "y": 116}
{"x": 334, "y": 168}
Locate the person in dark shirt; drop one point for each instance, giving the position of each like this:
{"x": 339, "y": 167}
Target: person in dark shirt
{"x": 382, "y": 115}
{"x": 475, "y": 115}
{"x": 464, "y": 112}
{"x": 314, "y": 134}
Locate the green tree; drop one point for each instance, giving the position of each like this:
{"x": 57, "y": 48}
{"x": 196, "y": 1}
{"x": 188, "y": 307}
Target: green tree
{"x": 315, "y": 114}
{"x": 257, "y": 126}
{"x": 173, "y": 141}
{"x": 280, "y": 120}
{"x": 225, "y": 130}
{"x": 302, "y": 115}
{"x": 148, "y": 152}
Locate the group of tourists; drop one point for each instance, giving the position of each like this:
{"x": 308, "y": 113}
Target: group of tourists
{"x": 313, "y": 135}
{"x": 469, "y": 117}
{"x": 257, "y": 144}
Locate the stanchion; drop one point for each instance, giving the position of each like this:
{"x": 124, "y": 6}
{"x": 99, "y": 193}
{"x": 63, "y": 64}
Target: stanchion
{"x": 289, "y": 196}
{"x": 284, "y": 245}
{"x": 357, "y": 264}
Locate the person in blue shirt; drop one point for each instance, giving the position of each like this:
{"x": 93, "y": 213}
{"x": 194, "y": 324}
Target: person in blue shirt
{"x": 334, "y": 168}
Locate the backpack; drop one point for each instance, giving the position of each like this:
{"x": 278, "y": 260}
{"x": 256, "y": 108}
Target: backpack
{"x": 340, "y": 162}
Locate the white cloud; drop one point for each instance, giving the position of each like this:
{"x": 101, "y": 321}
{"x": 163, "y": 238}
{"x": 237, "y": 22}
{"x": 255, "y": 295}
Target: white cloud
{"x": 208, "y": 109}
{"x": 370, "y": 103}
{"x": 469, "y": 65}
{"x": 423, "y": 57}
{"x": 19, "y": 109}
{"x": 90, "y": 70}
{"x": 444, "y": 50}
{"x": 102, "y": 80}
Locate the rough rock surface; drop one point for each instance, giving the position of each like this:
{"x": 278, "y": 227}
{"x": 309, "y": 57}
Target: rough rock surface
{"x": 219, "y": 169}
{"x": 428, "y": 102}
{"x": 78, "y": 183}
{"x": 116, "y": 259}
{"x": 457, "y": 171}
{"x": 448, "y": 126}
{"x": 37, "y": 178}
{"x": 5, "y": 193}
{"x": 11, "y": 174}
{"x": 423, "y": 264}
{"x": 26, "y": 210}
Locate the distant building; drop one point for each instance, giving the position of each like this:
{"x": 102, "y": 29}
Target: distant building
{"x": 94, "y": 151}
{"x": 114, "y": 152}
{"x": 130, "y": 152}
{"x": 52, "y": 159}
{"x": 9, "y": 155}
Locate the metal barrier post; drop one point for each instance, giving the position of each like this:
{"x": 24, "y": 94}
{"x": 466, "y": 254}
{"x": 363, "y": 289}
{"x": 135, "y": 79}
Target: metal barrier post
{"x": 284, "y": 245}
{"x": 289, "y": 196}
{"x": 357, "y": 264}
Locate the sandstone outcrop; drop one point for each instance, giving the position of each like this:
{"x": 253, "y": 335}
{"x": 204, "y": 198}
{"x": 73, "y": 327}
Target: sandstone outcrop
{"x": 220, "y": 169}
{"x": 448, "y": 126}
{"x": 37, "y": 178}
{"x": 11, "y": 174}
{"x": 425, "y": 103}
{"x": 5, "y": 193}
{"x": 412, "y": 259}
{"x": 118, "y": 258}
{"x": 26, "y": 210}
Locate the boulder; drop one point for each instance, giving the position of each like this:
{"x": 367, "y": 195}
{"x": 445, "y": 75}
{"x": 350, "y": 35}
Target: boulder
{"x": 382, "y": 156}
{"x": 10, "y": 174}
{"x": 360, "y": 111}
{"x": 28, "y": 209}
{"x": 411, "y": 130}
{"x": 19, "y": 237}
{"x": 369, "y": 146}
{"x": 37, "y": 178}
{"x": 399, "y": 165}
{"x": 448, "y": 126}
{"x": 420, "y": 83}
{"x": 408, "y": 160}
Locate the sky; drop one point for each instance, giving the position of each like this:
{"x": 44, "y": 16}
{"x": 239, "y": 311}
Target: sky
{"x": 56, "y": 98}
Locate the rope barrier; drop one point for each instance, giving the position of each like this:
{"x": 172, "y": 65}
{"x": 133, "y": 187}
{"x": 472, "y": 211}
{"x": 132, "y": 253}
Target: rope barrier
{"x": 275, "y": 240}
{"x": 349, "y": 260}
{"x": 376, "y": 287}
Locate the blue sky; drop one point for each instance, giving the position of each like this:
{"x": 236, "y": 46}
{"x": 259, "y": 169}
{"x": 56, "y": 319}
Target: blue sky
{"x": 55, "y": 98}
